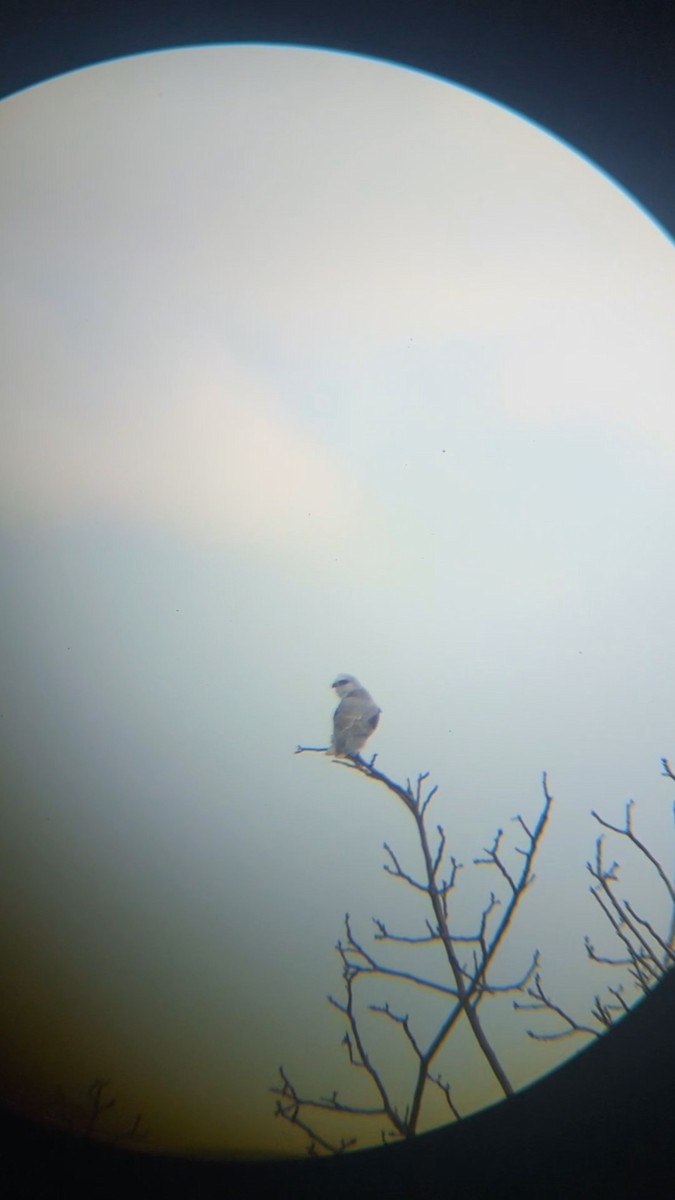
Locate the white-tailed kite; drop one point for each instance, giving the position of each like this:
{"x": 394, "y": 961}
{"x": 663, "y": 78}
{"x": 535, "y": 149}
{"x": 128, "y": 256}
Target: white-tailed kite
{"x": 355, "y": 717}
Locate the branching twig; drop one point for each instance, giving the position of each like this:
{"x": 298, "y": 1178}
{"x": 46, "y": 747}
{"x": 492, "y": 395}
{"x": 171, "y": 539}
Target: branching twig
{"x": 647, "y": 955}
{"x": 627, "y": 832}
{"x": 540, "y": 1002}
{"x": 352, "y": 951}
{"x": 86, "y": 1117}
{"x": 468, "y": 987}
{"x": 289, "y": 1107}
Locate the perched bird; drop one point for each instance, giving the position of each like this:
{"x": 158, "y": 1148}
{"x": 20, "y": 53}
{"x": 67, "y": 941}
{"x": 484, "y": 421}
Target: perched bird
{"x": 355, "y": 717}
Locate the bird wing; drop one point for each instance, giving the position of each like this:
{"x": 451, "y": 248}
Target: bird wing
{"x": 356, "y": 716}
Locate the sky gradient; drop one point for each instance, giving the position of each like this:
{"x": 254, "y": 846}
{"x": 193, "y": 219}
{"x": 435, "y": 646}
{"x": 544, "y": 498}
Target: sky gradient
{"x": 310, "y": 365}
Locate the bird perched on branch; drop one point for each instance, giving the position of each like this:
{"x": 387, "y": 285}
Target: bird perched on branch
{"x": 355, "y": 717}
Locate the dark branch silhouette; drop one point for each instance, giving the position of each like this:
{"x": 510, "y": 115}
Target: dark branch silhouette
{"x": 86, "y": 1117}
{"x": 467, "y": 983}
{"x": 646, "y": 954}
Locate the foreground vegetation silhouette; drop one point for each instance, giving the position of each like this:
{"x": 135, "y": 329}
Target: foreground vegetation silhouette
{"x": 466, "y": 981}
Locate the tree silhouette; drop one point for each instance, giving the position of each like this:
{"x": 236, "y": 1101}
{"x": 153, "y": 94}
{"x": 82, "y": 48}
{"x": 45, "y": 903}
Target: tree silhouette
{"x": 87, "y": 1116}
{"x": 646, "y": 954}
{"x": 466, "y": 960}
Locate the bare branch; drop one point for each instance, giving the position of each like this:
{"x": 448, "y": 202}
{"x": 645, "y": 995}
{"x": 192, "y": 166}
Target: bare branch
{"x": 518, "y": 985}
{"x": 647, "y": 954}
{"x": 642, "y": 956}
{"x": 364, "y": 1061}
{"x": 86, "y": 1116}
{"x": 399, "y": 873}
{"x": 429, "y": 798}
{"x": 445, "y": 1088}
{"x": 358, "y": 764}
{"x": 372, "y": 967}
{"x": 635, "y": 958}
{"x": 541, "y": 1002}
{"x": 525, "y": 878}
{"x": 645, "y": 961}
{"x": 470, "y": 985}
{"x": 667, "y": 769}
{"x": 402, "y": 1021}
{"x": 618, "y": 994}
{"x": 493, "y": 859}
{"x": 605, "y": 962}
{"x": 645, "y": 923}
{"x": 439, "y": 851}
{"x": 135, "y": 1132}
{"x": 627, "y": 832}
{"x": 289, "y": 1109}
{"x": 383, "y": 935}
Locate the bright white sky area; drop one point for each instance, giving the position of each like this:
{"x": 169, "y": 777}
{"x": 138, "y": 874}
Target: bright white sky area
{"x": 311, "y": 364}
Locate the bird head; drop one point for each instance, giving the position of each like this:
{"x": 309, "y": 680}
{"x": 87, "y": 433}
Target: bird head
{"x": 344, "y": 684}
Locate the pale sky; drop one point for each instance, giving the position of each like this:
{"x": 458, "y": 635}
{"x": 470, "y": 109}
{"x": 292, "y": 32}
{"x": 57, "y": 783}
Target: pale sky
{"x": 310, "y": 365}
